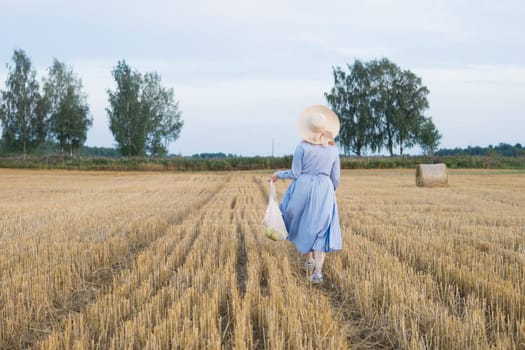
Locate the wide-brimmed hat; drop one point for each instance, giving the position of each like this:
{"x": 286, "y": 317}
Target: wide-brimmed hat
{"x": 318, "y": 125}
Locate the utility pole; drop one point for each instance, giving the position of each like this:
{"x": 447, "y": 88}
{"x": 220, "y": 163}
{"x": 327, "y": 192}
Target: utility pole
{"x": 272, "y": 145}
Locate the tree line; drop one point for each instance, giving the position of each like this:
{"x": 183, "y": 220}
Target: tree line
{"x": 143, "y": 114}
{"x": 381, "y": 106}
{"x": 502, "y": 149}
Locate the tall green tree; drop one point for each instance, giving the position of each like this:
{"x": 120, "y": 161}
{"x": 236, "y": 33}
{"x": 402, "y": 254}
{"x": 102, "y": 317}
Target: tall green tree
{"x": 351, "y": 99}
{"x": 164, "y": 115}
{"x": 144, "y": 115}
{"x": 379, "y": 104}
{"x": 399, "y": 102}
{"x": 410, "y": 104}
{"x": 429, "y": 137}
{"x": 69, "y": 117}
{"x": 127, "y": 120}
{"x": 23, "y": 110}
{"x": 383, "y": 74}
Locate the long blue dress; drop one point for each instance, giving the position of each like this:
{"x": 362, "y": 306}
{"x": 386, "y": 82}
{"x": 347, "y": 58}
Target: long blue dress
{"x": 309, "y": 205}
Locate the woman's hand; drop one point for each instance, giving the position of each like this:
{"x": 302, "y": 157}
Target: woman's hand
{"x": 274, "y": 177}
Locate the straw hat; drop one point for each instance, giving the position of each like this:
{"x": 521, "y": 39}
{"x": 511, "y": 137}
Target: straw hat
{"x": 318, "y": 125}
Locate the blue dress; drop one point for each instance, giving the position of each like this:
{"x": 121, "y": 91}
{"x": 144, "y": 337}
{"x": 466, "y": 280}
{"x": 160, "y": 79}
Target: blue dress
{"x": 309, "y": 206}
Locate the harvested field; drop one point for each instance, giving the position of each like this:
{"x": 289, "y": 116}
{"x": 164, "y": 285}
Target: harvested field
{"x": 101, "y": 260}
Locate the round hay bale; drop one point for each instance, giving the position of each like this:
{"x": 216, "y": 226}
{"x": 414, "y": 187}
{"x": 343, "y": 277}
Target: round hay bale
{"x": 430, "y": 175}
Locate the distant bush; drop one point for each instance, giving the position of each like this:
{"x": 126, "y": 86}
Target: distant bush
{"x": 502, "y": 149}
{"x": 62, "y": 161}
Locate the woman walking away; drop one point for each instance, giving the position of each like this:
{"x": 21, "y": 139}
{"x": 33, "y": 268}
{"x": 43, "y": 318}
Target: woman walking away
{"x": 309, "y": 206}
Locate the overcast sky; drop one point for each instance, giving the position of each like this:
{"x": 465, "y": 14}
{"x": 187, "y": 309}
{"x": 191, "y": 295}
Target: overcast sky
{"x": 244, "y": 70}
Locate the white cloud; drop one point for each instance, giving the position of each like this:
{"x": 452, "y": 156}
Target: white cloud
{"x": 472, "y": 73}
{"x": 252, "y": 66}
{"x": 476, "y": 105}
{"x": 242, "y": 116}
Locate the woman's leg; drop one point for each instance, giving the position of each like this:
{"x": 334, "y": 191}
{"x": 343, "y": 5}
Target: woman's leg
{"x": 309, "y": 263}
{"x": 317, "y": 276}
{"x": 309, "y": 256}
{"x": 319, "y": 261}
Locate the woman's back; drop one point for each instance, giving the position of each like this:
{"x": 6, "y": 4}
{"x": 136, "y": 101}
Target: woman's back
{"x": 318, "y": 159}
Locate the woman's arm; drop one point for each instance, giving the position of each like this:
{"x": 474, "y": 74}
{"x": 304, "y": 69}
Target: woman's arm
{"x": 335, "y": 174}
{"x": 297, "y": 167}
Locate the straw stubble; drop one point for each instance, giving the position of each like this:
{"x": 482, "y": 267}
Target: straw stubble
{"x": 161, "y": 261}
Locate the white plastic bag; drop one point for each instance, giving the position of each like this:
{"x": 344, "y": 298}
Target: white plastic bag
{"x": 273, "y": 222}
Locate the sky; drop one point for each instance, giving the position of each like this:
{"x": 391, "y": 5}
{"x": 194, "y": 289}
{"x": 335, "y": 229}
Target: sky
{"x": 243, "y": 71}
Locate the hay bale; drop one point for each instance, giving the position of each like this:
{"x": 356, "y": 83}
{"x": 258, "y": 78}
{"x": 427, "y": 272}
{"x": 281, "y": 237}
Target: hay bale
{"x": 430, "y": 175}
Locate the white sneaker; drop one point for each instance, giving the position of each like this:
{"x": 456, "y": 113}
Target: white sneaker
{"x": 316, "y": 278}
